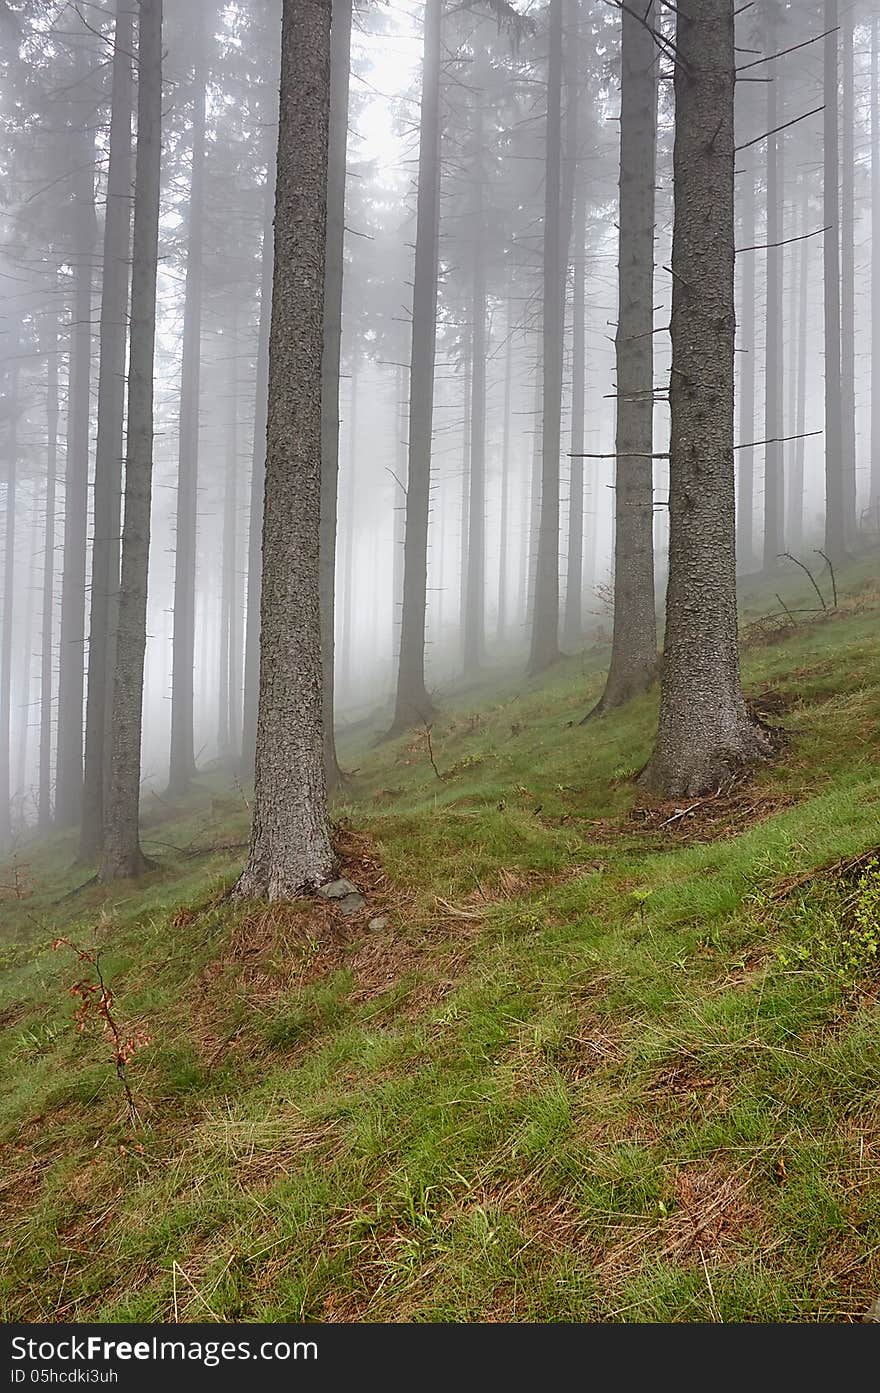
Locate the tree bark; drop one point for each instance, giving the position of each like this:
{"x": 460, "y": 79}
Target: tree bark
{"x": 774, "y": 501}
{"x": 69, "y": 773}
{"x": 504, "y": 527}
{"x": 475, "y": 588}
{"x": 573, "y": 622}
{"x": 544, "y": 649}
{"x": 835, "y": 525}
{"x": 122, "y": 855}
{"x": 705, "y": 732}
{"x": 634, "y": 642}
{"x": 6, "y": 628}
{"x": 412, "y": 702}
{"x": 227, "y": 722}
{"x": 796, "y": 483}
{"x": 875, "y": 272}
{"x": 182, "y": 764}
{"x": 340, "y": 66}
{"x": 848, "y": 286}
{"x": 109, "y": 446}
{"x": 290, "y": 841}
{"x": 44, "y": 794}
{"x": 745, "y": 528}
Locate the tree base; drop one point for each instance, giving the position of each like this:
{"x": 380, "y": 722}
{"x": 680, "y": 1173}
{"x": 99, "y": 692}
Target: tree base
{"x": 690, "y": 767}
{"x": 620, "y": 690}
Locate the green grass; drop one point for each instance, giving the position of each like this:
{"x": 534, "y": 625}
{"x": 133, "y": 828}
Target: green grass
{"x": 599, "y": 1067}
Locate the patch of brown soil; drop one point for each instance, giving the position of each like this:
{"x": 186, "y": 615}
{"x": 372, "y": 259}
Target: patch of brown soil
{"x": 726, "y": 813}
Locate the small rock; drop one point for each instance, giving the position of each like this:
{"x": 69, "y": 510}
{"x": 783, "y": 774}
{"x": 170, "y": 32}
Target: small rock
{"x": 380, "y": 922}
{"x": 337, "y": 889}
{"x": 350, "y": 904}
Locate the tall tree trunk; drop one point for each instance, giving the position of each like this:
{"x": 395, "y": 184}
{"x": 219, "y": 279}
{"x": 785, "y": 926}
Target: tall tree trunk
{"x": 573, "y": 624}
{"x": 6, "y": 625}
{"x": 848, "y": 286}
{"x": 634, "y": 642}
{"x": 412, "y": 702}
{"x": 475, "y": 589}
{"x": 745, "y": 511}
{"x": 399, "y": 529}
{"x": 875, "y": 272}
{"x": 774, "y": 502}
{"x": 504, "y": 548}
{"x": 122, "y": 855}
{"x": 109, "y": 446}
{"x": 227, "y": 694}
{"x": 340, "y": 65}
{"x": 290, "y": 841}
{"x": 69, "y": 774}
{"x": 258, "y": 480}
{"x": 347, "y": 628}
{"x": 182, "y": 765}
{"x": 44, "y": 795}
{"x": 705, "y": 731}
{"x": 796, "y": 483}
{"x": 465, "y": 477}
{"x": 544, "y": 649}
{"x": 835, "y": 525}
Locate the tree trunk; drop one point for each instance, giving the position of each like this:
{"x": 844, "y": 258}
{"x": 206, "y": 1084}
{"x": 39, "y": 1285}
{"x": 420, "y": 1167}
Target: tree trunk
{"x": 340, "y": 66}
{"x": 835, "y": 527}
{"x": 182, "y": 765}
{"x": 347, "y": 627}
{"x": 544, "y": 649}
{"x": 774, "y": 502}
{"x": 227, "y": 684}
{"x": 705, "y": 732}
{"x": 573, "y": 623}
{"x": 412, "y": 702}
{"x": 122, "y": 855}
{"x": 504, "y": 548}
{"x": 848, "y": 287}
{"x": 634, "y": 642}
{"x": 875, "y": 273}
{"x": 399, "y": 512}
{"x": 475, "y": 588}
{"x": 465, "y": 476}
{"x": 44, "y": 795}
{"x": 258, "y": 482}
{"x": 745, "y": 513}
{"x": 109, "y": 446}
{"x": 290, "y": 841}
{"x": 69, "y": 774}
{"x": 796, "y": 483}
{"x": 6, "y": 629}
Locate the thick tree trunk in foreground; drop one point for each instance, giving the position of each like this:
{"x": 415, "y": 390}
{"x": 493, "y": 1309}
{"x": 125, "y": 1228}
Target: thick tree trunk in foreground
{"x": 544, "y": 649}
{"x": 340, "y": 66}
{"x": 848, "y": 286}
{"x": 412, "y": 703}
{"x": 108, "y": 450}
{"x": 183, "y": 762}
{"x": 258, "y": 483}
{"x": 774, "y": 500}
{"x": 122, "y": 855}
{"x": 705, "y": 732}
{"x": 835, "y": 528}
{"x": 634, "y": 644}
{"x": 44, "y": 794}
{"x": 290, "y": 841}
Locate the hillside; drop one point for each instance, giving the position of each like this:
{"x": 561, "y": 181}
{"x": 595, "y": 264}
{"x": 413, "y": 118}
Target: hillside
{"x": 600, "y": 1060}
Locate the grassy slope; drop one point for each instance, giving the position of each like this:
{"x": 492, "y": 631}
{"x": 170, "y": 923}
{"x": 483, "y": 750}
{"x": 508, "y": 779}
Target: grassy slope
{"x": 591, "y": 1070}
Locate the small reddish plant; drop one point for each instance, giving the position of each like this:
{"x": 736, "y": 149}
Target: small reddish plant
{"x": 96, "y": 1003}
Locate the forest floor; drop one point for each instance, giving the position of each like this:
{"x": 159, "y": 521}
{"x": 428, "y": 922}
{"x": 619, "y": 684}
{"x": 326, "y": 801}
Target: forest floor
{"x": 607, "y": 1060}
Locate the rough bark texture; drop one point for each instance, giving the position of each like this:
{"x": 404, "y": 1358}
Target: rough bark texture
{"x": 745, "y": 511}
{"x": 182, "y": 765}
{"x": 122, "y": 855}
{"x": 774, "y": 504}
{"x": 848, "y": 286}
{"x": 44, "y": 796}
{"x": 835, "y": 531}
{"x": 412, "y": 702}
{"x": 544, "y": 649}
{"x": 290, "y": 842}
{"x": 340, "y": 65}
{"x": 705, "y": 732}
{"x": 108, "y": 450}
{"x": 71, "y": 679}
{"x": 258, "y": 482}
{"x": 634, "y": 643}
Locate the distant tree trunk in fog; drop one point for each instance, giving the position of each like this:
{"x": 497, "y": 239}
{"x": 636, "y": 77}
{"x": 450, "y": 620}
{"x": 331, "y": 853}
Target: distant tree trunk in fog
{"x": 634, "y": 644}
{"x": 475, "y": 586}
{"x": 182, "y": 764}
{"x": 774, "y": 501}
{"x": 258, "y": 481}
{"x": 399, "y": 529}
{"x": 122, "y": 855}
{"x": 848, "y": 286}
{"x": 795, "y": 495}
{"x": 350, "y": 520}
{"x": 533, "y": 520}
{"x": 69, "y": 772}
{"x": 573, "y": 622}
{"x": 745, "y": 512}
{"x": 227, "y": 723}
{"x": 705, "y": 732}
{"x": 875, "y": 272}
{"x": 504, "y": 523}
{"x": 412, "y": 702}
{"x": 44, "y": 794}
{"x": 544, "y": 647}
{"x": 835, "y": 526}
{"x": 465, "y": 476}
{"x": 290, "y": 840}
{"x": 6, "y": 627}
{"x": 340, "y": 66}
{"x": 109, "y": 446}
